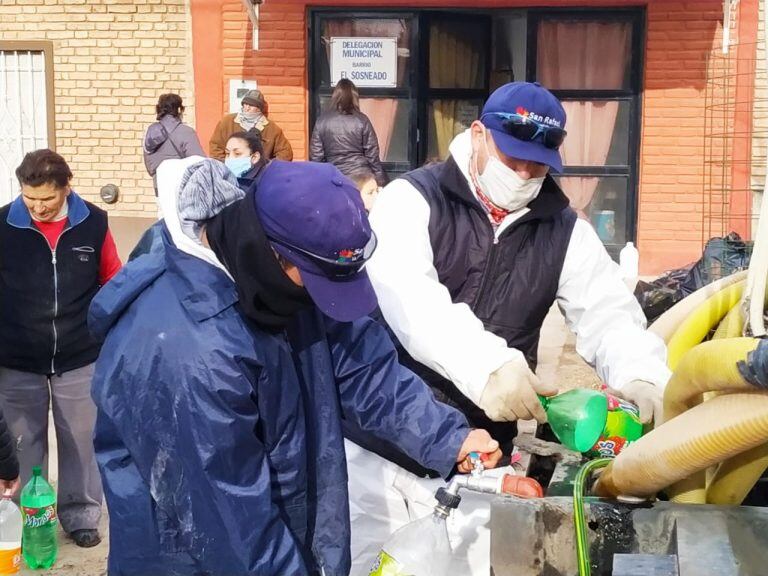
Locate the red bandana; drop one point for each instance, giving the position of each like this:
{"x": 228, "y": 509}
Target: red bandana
{"x": 495, "y": 213}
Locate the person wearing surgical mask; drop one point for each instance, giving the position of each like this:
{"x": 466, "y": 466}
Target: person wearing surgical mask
{"x": 245, "y": 158}
{"x": 252, "y": 117}
{"x": 473, "y": 252}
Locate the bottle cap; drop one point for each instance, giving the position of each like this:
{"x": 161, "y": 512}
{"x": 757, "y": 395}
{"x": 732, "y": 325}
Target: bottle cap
{"x": 447, "y": 499}
{"x": 37, "y": 471}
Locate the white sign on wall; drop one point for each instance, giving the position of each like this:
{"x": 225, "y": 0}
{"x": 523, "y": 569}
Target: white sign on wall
{"x": 238, "y": 89}
{"x": 365, "y": 61}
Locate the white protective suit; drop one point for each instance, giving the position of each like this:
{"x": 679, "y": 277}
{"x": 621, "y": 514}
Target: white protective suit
{"x": 448, "y": 338}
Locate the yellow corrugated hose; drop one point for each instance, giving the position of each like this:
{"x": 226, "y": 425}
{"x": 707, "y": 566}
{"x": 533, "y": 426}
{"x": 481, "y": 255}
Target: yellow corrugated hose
{"x": 693, "y": 439}
{"x": 695, "y": 328}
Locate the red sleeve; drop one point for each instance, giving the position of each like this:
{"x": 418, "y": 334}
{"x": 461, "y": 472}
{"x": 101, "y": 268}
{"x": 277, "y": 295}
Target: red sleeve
{"x": 110, "y": 261}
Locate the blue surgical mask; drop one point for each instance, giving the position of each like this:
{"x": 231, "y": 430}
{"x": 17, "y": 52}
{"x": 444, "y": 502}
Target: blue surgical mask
{"x": 238, "y": 166}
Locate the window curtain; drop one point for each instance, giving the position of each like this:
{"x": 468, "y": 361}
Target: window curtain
{"x": 584, "y": 56}
{"x": 381, "y": 111}
{"x": 454, "y": 62}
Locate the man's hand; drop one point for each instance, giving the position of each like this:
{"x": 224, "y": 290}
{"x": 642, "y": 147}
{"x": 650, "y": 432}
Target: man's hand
{"x": 648, "y": 398}
{"x": 9, "y": 487}
{"x": 478, "y": 441}
{"x": 512, "y": 394}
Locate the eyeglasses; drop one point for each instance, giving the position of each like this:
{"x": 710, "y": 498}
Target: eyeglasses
{"x": 347, "y": 262}
{"x": 525, "y": 129}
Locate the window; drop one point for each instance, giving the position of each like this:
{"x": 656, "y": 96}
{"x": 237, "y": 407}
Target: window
{"x": 457, "y": 86}
{"x": 591, "y": 61}
{"x": 26, "y": 107}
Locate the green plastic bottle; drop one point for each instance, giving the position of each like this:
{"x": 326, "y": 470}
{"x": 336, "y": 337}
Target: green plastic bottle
{"x": 591, "y": 422}
{"x": 577, "y": 417}
{"x": 622, "y": 427}
{"x": 39, "y": 544}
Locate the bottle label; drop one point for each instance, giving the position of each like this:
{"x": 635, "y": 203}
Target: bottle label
{"x": 622, "y": 428}
{"x": 385, "y": 565}
{"x": 38, "y": 517}
{"x": 10, "y": 559}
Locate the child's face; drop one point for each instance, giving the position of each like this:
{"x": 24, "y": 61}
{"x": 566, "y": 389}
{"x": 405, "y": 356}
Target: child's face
{"x": 369, "y": 191}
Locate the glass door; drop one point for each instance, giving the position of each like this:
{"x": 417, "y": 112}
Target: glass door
{"x": 390, "y": 103}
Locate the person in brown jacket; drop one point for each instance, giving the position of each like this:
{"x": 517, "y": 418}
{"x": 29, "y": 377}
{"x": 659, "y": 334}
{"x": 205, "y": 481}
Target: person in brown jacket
{"x": 252, "y": 115}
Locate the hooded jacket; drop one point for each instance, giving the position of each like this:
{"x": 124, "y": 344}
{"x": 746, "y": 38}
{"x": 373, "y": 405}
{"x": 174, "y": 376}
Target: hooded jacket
{"x": 348, "y": 141}
{"x": 220, "y": 444}
{"x": 178, "y": 140}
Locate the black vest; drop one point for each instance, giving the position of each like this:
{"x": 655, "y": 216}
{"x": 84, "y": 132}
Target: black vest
{"x": 510, "y": 285}
{"x": 44, "y": 300}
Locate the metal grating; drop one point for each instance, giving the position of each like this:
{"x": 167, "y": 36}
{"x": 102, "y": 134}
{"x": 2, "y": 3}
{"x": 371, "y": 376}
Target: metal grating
{"x": 23, "y": 113}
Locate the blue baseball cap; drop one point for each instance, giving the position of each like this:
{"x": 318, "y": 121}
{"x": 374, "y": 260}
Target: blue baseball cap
{"x": 314, "y": 217}
{"x": 532, "y": 100}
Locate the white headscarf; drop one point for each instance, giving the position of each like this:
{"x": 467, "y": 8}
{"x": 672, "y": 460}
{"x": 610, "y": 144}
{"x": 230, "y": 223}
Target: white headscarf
{"x": 169, "y": 176}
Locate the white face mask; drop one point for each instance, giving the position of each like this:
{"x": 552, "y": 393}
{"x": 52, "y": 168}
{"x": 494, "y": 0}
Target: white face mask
{"x": 505, "y": 187}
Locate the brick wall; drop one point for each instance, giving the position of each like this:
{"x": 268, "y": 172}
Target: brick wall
{"x": 279, "y": 66}
{"x": 112, "y": 59}
{"x": 681, "y": 36}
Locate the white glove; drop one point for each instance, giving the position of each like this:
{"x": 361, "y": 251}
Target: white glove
{"x": 648, "y": 397}
{"x": 511, "y": 393}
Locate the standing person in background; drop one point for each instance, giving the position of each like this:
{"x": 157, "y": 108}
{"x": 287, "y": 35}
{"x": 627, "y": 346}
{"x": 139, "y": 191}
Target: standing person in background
{"x": 252, "y": 116}
{"x": 344, "y": 136}
{"x": 56, "y": 251}
{"x": 169, "y": 137}
{"x": 365, "y": 181}
{"x": 245, "y": 157}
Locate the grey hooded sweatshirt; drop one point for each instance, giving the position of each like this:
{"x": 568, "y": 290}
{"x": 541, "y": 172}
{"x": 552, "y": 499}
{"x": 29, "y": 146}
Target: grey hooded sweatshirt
{"x": 177, "y": 141}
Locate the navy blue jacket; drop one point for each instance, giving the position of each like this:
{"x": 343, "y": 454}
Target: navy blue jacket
{"x": 45, "y": 293}
{"x": 220, "y": 445}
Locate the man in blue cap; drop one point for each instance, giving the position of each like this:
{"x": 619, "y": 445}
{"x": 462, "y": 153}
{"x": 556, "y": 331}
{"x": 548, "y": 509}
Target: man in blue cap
{"x": 232, "y": 358}
{"x": 473, "y": 252}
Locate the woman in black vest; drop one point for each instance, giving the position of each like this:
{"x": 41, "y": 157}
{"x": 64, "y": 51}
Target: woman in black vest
{"x": 56, "y": 251}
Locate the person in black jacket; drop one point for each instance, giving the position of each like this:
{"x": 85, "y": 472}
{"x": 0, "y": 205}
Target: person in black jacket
{"x": 9, "y": 463}
{"x": 345, "y": 137}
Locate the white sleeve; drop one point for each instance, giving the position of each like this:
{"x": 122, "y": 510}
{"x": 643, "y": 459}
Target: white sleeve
{"x": 606, "y": 318}
{"x": 446, "y": 337}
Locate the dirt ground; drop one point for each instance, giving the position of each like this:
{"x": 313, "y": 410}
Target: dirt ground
{"x": 558, "y": 363}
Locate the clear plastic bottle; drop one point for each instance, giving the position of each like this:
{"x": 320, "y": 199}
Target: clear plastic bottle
{"x": 629, "y": 262}
{"x": 38, "y": 507}
{"x": 420, "y": 548}
{"x": 10, "y": 537}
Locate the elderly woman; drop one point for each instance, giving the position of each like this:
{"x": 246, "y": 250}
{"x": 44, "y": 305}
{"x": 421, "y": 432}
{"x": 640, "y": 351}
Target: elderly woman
{"x": 252, "y": 116}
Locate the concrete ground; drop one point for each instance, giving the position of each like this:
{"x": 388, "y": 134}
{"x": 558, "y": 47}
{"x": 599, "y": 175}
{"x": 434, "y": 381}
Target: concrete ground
{"x": 127, "y": 231}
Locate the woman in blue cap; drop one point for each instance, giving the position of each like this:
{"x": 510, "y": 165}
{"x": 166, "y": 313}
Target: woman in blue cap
{"x": 232, "y": 360}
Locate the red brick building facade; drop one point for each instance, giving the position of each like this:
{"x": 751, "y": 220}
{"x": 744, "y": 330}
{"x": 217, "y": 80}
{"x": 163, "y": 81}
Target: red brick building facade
{"x": 679, "y": 43}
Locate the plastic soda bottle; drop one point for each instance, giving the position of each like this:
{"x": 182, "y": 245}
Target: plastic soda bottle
{"x": 38, "y": 507}
{"x": 622, "y": 427}
{"x": 592, "y": 422}
{"x": 10, "y": 537}
{"x": 577, "y": 417}
{"x": 420, "y": 548}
